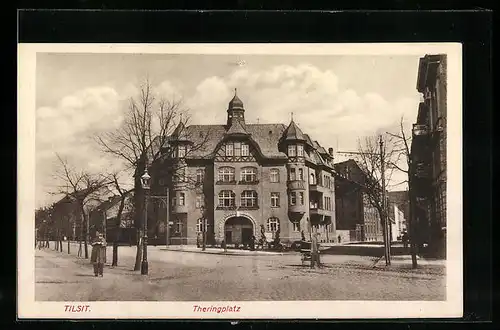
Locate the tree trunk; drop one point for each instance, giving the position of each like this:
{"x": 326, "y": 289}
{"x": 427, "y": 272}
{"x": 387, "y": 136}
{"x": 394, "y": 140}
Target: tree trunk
{"x": 117, "y": 231}
{"x": 115, "y": 253}
{"x": 411, "y": 228}
{"x": 85, "y": 236}
{"x": 384, "y": 236}
{"x": 139, "y": 250}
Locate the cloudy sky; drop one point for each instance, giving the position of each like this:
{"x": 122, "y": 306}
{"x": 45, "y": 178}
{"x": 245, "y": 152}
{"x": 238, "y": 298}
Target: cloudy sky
{"x": 335, "y": 99}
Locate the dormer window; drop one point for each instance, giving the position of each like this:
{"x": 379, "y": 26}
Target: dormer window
{"x": 245, "y": 149}
{"x": 300, "y": 150}
{"x": 291, "y": 151}
{"x": 229, "y": 149}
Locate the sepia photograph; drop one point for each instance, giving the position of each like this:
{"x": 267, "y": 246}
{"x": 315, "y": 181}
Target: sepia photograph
{"x": 217, "y": 179}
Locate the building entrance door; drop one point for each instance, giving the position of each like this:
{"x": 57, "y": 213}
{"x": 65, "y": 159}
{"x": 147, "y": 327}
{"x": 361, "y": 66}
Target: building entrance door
{"x": 229, "y": 237}
{"x": 240, "y": 230}
{"x": 246, "y": 235}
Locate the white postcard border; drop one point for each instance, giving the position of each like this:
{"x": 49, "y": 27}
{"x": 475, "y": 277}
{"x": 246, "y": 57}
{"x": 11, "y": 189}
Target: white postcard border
{"x": 29, "y": 308}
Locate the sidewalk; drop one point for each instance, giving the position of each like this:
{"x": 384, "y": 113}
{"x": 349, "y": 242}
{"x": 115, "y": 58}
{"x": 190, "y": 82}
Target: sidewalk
{"x": 233, "y": 252}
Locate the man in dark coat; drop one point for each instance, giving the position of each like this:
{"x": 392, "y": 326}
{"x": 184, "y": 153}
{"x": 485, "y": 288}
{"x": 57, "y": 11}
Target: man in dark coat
{"x": 98, "y": 256}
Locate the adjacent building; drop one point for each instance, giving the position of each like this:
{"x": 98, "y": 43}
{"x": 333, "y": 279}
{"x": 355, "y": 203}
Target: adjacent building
{"x": 428, "y": 156}
{"x": 399, "y": 211}
{"x": 357, "y": 219}
{"x": 104, "y": 218}
{"x": 242, "y": 180}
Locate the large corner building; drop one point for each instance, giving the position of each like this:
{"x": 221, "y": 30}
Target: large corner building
{"x": 243, "y": 179}
{"x": 428, "y": 155}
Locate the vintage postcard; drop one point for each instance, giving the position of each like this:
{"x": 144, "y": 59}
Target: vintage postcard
{"x": 240, "y": 181}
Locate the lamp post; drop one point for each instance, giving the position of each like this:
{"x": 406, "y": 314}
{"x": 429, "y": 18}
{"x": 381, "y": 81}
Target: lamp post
{"x": 204, "y": 228}
{"x": 145, "y": 181}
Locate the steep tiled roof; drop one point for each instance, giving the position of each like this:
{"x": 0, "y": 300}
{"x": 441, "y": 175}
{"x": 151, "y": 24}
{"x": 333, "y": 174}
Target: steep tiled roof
{"x": 207, "y": 137}
{"x": 309, "y": 140}
{"x": 237, "y": 128}
{"x": 293, "y": 133}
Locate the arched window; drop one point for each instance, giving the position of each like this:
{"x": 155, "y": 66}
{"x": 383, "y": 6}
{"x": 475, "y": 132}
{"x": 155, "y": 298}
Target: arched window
{"x": 249, "y": 198}
{"x": 226, "y": 174}
{"x": 312, "y": 179}
{"x": 273, "y": 224}
{"x": 248, "y": 174}
{"x": 226, "y": 198}
{"x": 275, "y": 175}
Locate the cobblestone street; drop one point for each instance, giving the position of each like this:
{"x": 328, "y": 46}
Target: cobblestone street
{"x": 188, "y": 276}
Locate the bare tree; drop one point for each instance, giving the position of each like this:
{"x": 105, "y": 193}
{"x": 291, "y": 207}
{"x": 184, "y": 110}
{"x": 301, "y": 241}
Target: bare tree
{"x": 374, "y": 153}
{"x": 120, "y": 188}
{"x": 82, "y": 188}
{"x": 149, "y": 123}
{"x": 402, "y": 143}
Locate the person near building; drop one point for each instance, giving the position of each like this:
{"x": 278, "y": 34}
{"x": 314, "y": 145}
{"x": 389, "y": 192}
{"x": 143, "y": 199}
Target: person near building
{"x": 315, "y": 260}
{"x": 98, "y": 256}
{"x": 339, "y": 238}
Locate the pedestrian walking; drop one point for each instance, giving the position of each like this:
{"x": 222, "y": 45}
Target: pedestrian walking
{"x": 339, "y": 238}
{"x": 98, "y": 256}
{"x": 315, "y": 260}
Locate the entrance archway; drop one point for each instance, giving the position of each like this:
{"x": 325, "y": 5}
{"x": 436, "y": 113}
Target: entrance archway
{"x": 238, "y": 230}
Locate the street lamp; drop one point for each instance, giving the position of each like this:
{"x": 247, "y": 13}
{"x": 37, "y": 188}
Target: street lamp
{"x": 145, "y": 181}
{"x": 204, "y": 228}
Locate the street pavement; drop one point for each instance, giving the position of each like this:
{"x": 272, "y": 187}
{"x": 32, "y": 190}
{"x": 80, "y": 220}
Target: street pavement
{"x": 189, "y": 276}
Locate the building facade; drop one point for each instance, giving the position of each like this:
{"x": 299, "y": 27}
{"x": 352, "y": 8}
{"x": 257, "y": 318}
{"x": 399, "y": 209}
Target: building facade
{"x": 399, "y": 212}
{"x": 357, "y": 219}
{"x": 103, "y": 218}
{"x": 428, "y": 156}
{"x": 398, "y": 221}
{"x": 243, "y": 180}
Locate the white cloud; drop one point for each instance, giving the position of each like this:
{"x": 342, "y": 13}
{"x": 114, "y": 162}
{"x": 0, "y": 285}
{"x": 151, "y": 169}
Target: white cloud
{"x": 313, "y": 95}
{"x": 320, "y": 107}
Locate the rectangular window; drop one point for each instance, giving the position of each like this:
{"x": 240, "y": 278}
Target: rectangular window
{"x": 199, "y": 201}
{"x": 301, "y": 174}
{"x": 181, "y": 152}
{"x": 200, "y": 176}
{"x": 296, "y": 226}
{"x": 275, "y": 175}
{"x": 292, "y": 174}
{"x": 174, "y": 201}
{"x": 293, "y": 198}
{"x": 244, "y": 149}
{"x": 182, "y": 199}
{"x": 275, "y": 199}
{"x": 301, "y": 198}
{"x": 237, "y": 148}
{"x": 291, "y": 151}
{"x": 229, "y": 149}
{"x": 300, "y": 150}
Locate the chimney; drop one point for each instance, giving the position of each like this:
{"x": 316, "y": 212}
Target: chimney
{"x": 330, "y": 151}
